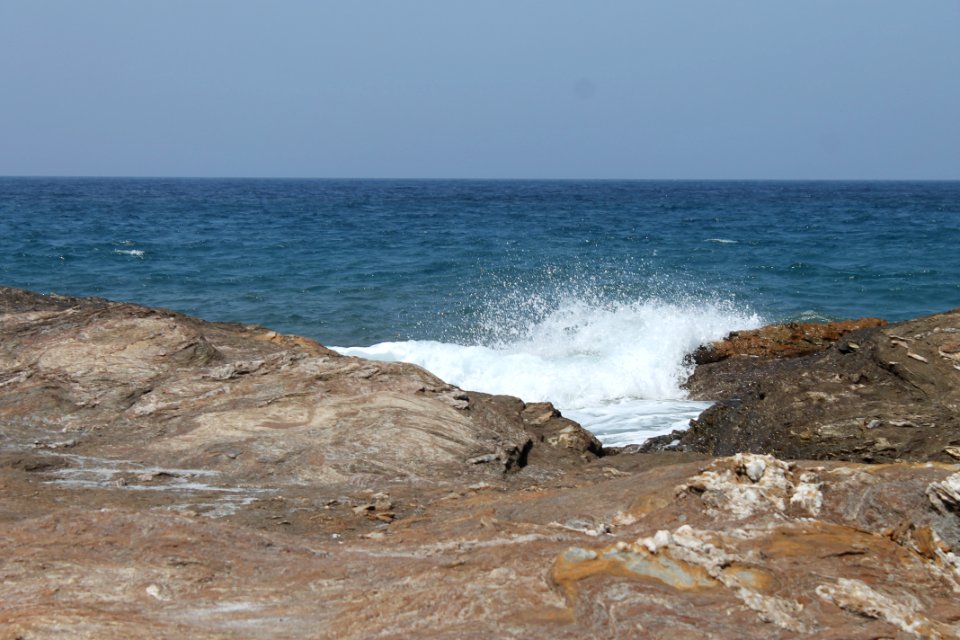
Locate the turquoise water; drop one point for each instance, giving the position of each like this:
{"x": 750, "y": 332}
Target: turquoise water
{"x": 584, "y": 293}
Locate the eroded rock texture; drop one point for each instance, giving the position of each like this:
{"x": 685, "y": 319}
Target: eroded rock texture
{"x": 246, "y": 404}
{"x": 164, "y": 477}
{"x": 873, "y": 395}
{"x": 782, "y": 340}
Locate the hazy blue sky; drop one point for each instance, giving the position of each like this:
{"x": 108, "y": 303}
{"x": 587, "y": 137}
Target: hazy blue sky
{"x": 481, "y": 88}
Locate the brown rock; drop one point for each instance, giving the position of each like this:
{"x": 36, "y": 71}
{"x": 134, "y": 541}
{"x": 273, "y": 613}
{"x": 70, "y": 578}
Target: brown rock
{"x": 167, "y": 477}
{"x": 244, "y": 404}
{"x": 895, "y": 396}
{"x": 782, "y": 340}
{"x": 747, "y": 547}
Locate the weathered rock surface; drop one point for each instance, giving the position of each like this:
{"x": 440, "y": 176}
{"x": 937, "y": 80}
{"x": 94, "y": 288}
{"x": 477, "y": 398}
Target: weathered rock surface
{"x": 873, "y": 395}
{"x": 244, "y": 403}
{"x": 164, "y": 477}
{"x": 781, "y": 340}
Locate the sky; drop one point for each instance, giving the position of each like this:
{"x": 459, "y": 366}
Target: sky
{"x": 635, "y": 89}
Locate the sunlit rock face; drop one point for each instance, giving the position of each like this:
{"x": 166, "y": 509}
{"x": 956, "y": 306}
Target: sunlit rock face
{"x": 168, "y": 477}
{"x": 247, "y": 403}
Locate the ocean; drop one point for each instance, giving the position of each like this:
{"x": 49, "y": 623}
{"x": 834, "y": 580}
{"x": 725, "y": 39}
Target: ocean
{"x": 585, "y": 293}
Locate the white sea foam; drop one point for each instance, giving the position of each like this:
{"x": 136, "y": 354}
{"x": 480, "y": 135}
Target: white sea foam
{"x": 723, "y": 241}
{"x": 615, "y": 368}
{"x": 137, "y": 253}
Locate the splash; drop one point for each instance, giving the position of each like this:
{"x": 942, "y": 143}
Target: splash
{"x": 615, "y": 366}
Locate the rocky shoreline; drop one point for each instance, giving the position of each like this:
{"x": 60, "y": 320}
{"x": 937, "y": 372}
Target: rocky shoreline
{"x": 856, "y": 391}
{"x": 163, "y": 476}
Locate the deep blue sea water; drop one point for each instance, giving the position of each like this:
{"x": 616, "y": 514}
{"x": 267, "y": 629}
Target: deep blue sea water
{"x": 584, "y": 293}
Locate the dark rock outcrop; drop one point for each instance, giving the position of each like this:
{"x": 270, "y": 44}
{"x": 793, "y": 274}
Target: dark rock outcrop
{"x": 873, "y": 395}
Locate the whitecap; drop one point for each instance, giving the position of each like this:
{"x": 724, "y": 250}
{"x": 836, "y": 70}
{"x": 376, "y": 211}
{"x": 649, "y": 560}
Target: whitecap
{"x": 137, "y": 253}
{"x": 615, "y": 368}
{"x": 812, "y": 315}
{"x": 722, "y": 241}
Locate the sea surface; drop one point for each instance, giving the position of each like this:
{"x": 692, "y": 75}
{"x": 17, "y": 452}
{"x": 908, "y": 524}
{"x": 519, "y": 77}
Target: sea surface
{"x": 584, "y": 293}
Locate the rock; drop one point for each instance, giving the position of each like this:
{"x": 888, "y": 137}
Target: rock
{"x": 172, "y": 391}
{"x": 900, "y": 610}
{"x": 224, "y": 481}
{"x": 945, "y": 495}
{"x": 741, "y": 560}
{"x": 783, "y": 340}
{"x": 670, "y": 560}
{"x": 895, "y": 397}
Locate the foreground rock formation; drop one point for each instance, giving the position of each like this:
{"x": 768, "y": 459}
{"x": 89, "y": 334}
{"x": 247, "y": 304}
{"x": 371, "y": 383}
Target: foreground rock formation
{"x": 165, "y": 477}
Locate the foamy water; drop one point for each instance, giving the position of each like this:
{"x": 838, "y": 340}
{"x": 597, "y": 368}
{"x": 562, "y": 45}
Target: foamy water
{"x": 615, "y": 368}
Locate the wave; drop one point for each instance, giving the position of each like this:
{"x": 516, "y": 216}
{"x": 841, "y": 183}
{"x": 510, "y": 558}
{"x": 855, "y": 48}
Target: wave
{"x": 617, "y": 367}
{"x": 136, "y": 253}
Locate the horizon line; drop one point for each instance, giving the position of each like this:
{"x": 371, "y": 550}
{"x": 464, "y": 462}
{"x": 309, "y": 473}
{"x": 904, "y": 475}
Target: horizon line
{"x": 464, "y": 179}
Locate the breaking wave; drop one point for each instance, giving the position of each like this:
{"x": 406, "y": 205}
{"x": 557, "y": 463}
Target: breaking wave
{"x": 616, "y": 367}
